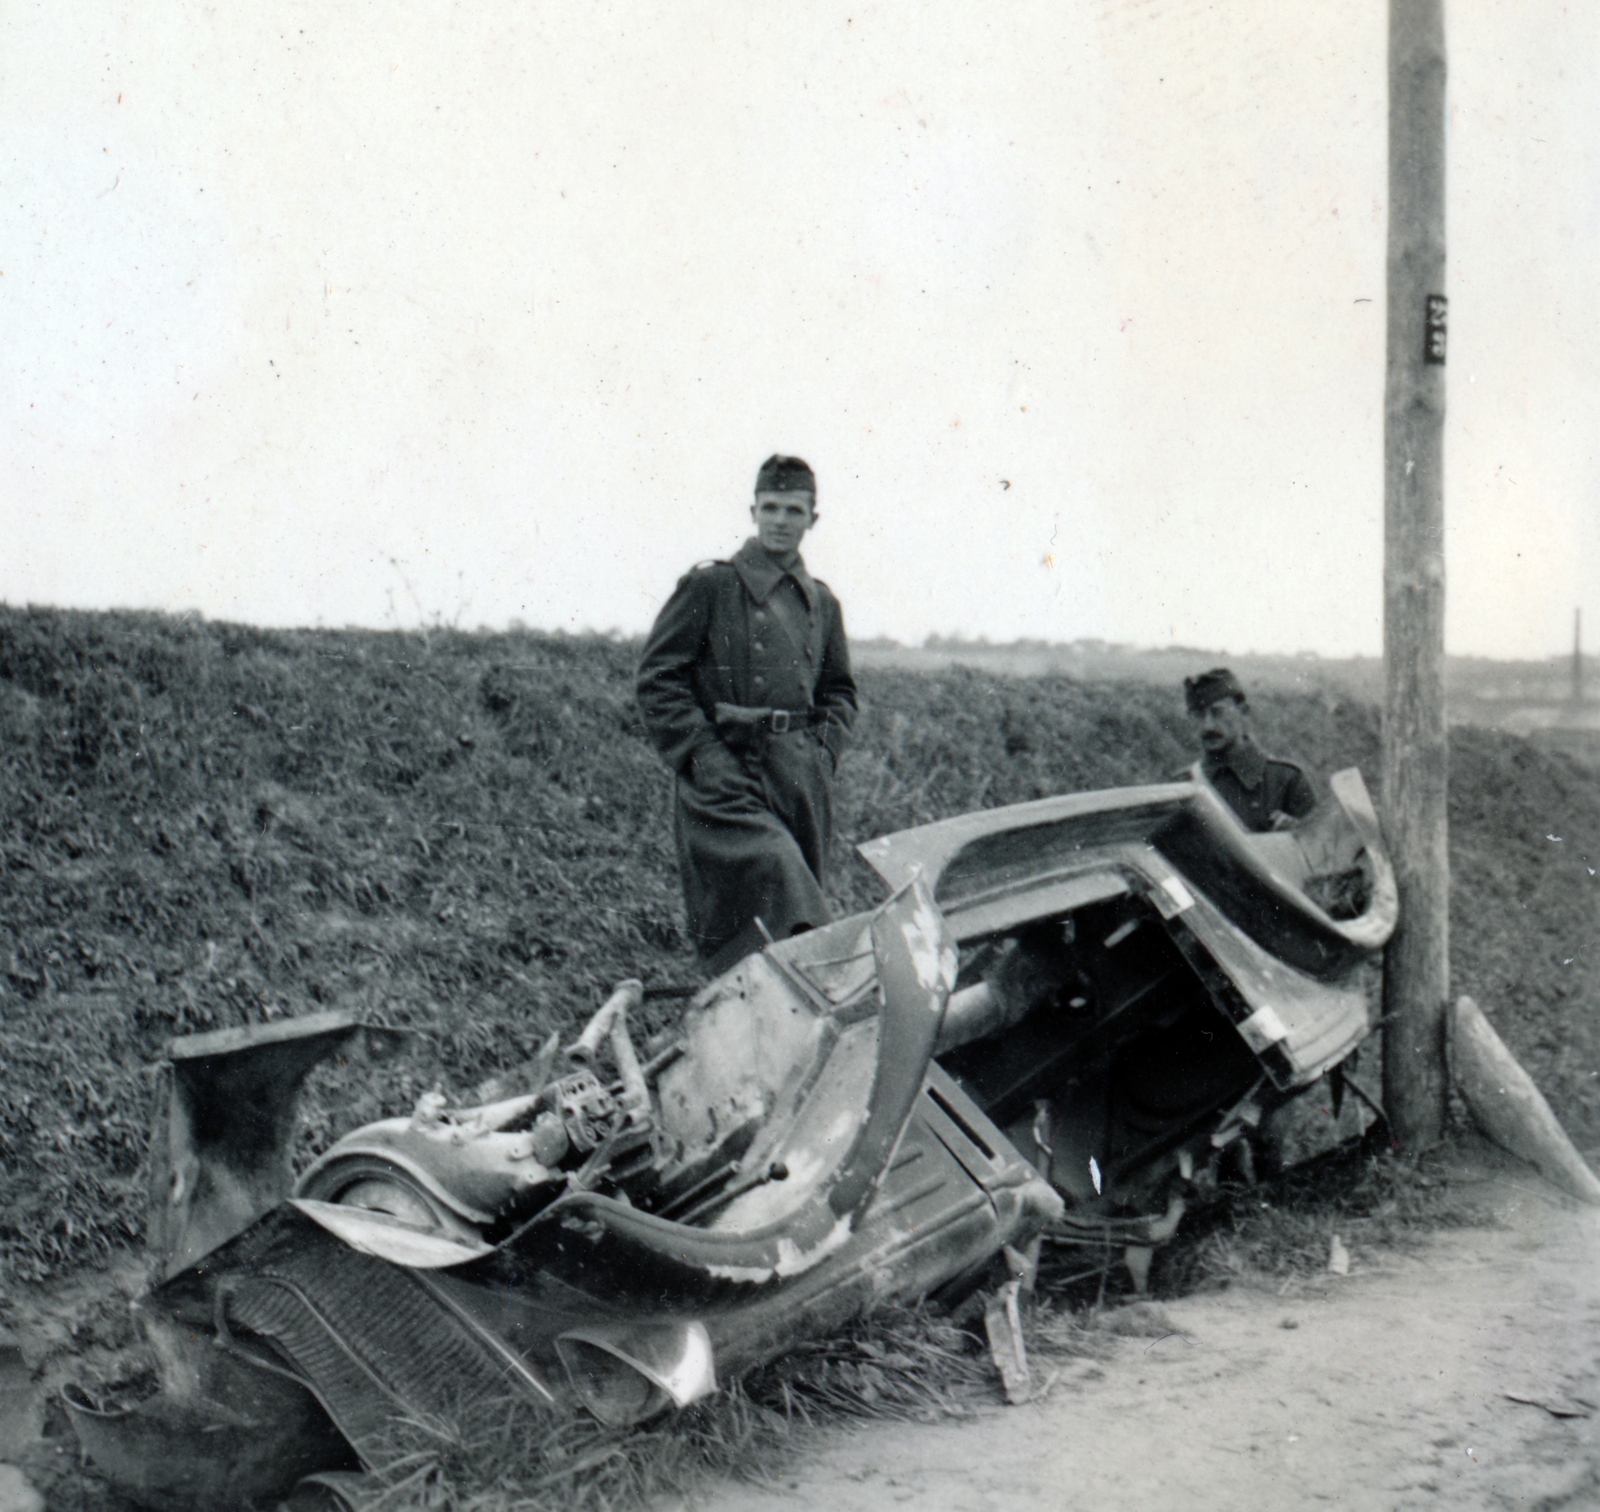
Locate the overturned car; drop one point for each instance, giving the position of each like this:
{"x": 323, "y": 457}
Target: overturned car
{"x": 1068, "y": 1016}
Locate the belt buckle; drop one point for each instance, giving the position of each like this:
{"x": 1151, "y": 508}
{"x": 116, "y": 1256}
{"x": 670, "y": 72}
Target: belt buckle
{"x": 780, "y": 721}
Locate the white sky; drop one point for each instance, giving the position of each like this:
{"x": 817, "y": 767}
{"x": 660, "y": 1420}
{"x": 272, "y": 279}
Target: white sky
{"x": 369, "y": 313}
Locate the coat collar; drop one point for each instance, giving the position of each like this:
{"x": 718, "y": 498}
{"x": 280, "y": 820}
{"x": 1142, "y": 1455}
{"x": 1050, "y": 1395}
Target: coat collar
{"x": 1246, "y": 760}
{"x": 760, "y": 574}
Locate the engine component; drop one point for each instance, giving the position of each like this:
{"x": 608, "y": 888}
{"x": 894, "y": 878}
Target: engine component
{"x": 588, "y": 1112}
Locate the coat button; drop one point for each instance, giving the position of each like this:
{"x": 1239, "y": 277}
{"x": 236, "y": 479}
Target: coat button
{"x": 760, "y": 682}
{"x": 758, "y": 647}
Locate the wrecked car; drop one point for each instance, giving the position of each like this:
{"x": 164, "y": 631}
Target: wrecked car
{"x": 1068, "y": 1016}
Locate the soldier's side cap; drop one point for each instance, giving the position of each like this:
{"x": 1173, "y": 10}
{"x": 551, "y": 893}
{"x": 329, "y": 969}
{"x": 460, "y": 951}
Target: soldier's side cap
{"x": 785, "y": 475}
{"x": 1207, "y": 688}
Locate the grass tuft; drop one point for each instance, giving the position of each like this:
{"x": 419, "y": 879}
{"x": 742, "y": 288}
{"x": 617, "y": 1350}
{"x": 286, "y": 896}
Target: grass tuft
{"x": 905, "y": 1363}
{"x": 1284, "y": 1228}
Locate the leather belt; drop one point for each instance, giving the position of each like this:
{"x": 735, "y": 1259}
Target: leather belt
{"x": 778, "y": 721}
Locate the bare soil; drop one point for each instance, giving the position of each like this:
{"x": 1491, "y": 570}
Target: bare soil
{"x": 1392, "y": 1387}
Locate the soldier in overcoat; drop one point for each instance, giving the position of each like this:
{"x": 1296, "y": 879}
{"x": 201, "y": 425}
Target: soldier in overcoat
{"x": 1266, "y": 792}
{"x": 746, "y": 689}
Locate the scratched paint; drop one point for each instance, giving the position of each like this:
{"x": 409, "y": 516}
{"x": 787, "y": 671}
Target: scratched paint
{"x": 792, "y": 1260}
{"x": 777, "y": 1199}
{"x": 933, "y": 953}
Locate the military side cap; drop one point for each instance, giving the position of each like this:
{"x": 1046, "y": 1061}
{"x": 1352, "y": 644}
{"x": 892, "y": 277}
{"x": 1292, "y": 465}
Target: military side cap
{"x": 785, "y": 475}
{"x": 1207, "y": 688}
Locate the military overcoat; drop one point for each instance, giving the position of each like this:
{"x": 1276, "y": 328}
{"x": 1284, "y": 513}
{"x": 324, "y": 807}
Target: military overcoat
{"x": 753, "y": 803}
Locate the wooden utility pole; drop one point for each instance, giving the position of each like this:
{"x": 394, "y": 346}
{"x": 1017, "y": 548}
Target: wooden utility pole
{"x": 1577, "y": 656}
{"x": 1415, "y": 759}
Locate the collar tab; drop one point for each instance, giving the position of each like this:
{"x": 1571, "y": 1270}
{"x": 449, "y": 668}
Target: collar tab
{"x": 761, "y": 574}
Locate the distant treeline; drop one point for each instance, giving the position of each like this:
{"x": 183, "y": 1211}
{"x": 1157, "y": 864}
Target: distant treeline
{"x": 1469, "y": 680}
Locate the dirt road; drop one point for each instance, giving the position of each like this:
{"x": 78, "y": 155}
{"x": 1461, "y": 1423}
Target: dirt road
{"x": 1383, "y": 1389}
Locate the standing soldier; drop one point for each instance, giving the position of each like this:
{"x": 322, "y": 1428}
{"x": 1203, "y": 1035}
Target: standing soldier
{"x": 1266, "y": 793}
{"x": 746, "y": 689}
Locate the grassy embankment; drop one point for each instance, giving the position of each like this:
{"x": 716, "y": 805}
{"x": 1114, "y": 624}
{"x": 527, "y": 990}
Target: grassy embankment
{"x": 206, "y": 825}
